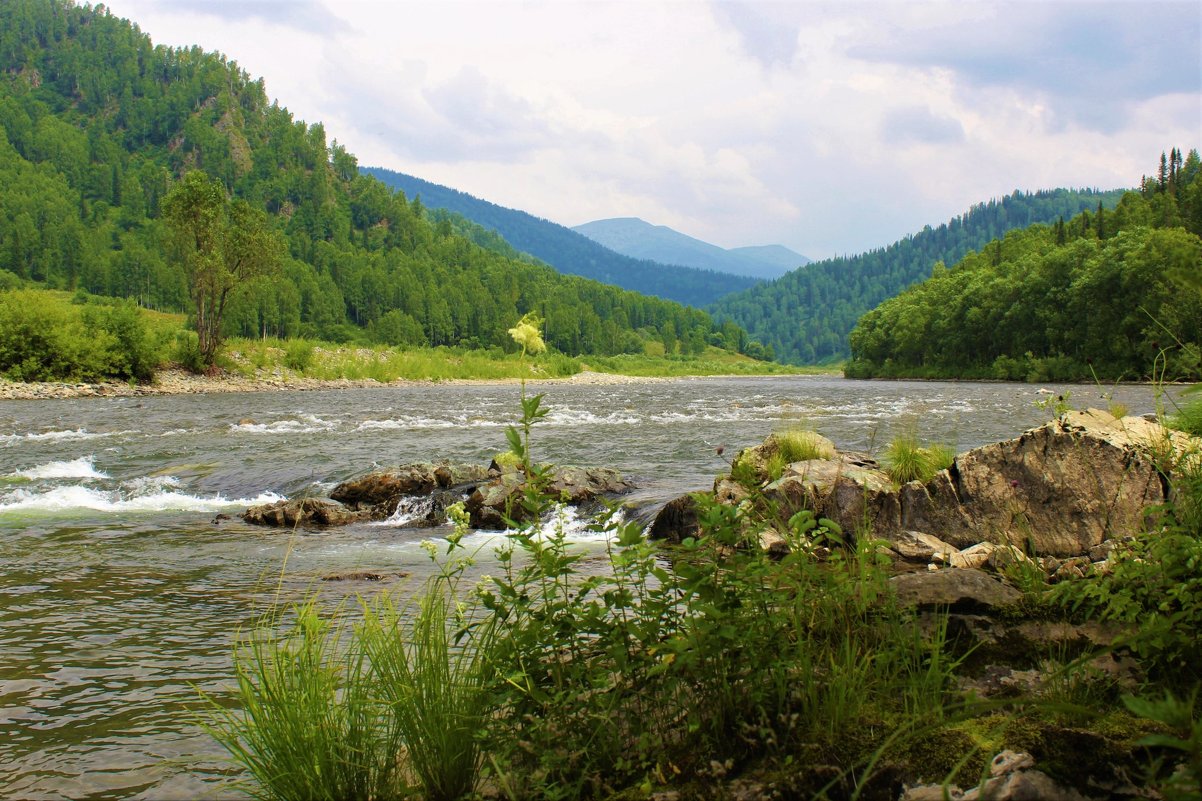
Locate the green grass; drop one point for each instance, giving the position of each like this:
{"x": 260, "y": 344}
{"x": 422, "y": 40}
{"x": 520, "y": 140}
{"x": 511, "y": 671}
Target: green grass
{"x": 801, "y": 445}
{"x": 713, "y": 361}
{"x": 53, "y": 344}
{"x": 311, "y": 721}
{"x": 905, "y": 460}
{"x": 1188, "y": 418}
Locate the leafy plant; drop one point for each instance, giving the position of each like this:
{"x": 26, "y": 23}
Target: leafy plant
{"x": 299, "y": 355}
{"x": 1184, "y": 740}
{"x": 1155, "y": 584}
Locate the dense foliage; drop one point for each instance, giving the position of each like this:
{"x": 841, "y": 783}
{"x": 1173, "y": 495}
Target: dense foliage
{"x": 97, "y": 124}
{"x": 569, "y": 251}
{"x": 806, "y": 316}
{"x": 46, "y": 338}
{"x": 1108, "y": 295}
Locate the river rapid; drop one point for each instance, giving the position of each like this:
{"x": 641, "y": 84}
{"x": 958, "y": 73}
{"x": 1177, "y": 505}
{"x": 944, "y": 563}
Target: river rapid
{"x": 121, "y": 595}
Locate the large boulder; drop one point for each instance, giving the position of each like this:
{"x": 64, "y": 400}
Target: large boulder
{"x": 857, "y": 498}
{"x": 958, "y": 589}
{"x": 1056, "y": 490}
{"x": 303, "y": 512}
{"x": 1059, "y": 490}
{"x": 493, "y": 505}
{"x": 677, "y": 521}
{"x": 387, "y": 486}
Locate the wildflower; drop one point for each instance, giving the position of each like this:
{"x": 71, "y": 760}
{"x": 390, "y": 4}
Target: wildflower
{"x": 526, "y": 333}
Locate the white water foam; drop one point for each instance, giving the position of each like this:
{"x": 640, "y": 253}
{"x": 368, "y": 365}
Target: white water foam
{"x": 405, "y": 422}
{"x": 78, "y": 498}
{"x": 579, "y": 417}
{"x": 44, "y": 436}
{"x": 408, "y": 510}
{"x": 303, "y": 424}
{"x": 83, "y": 467}
{"x": 575, "y": 526}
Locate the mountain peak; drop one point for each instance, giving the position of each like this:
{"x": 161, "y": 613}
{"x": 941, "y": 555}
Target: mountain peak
{"x": 640, "y": 239}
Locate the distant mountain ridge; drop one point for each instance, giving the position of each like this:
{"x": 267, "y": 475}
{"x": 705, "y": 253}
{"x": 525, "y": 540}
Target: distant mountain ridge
{"x": 640, "y": 239}
{"x": 569, "y": 251}
{"x": 806, "y": 315}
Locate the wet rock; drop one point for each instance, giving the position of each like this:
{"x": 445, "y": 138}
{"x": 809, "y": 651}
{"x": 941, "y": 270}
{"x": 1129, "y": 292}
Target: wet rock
{"x": 677, "y": 521}
{"x": 577, "y": 485}
{"x": 855, "y": 497}
{"x": 956, "y": 589}
{"x": 493, "y": 505}
{"x": 363, "y": 575}
{"x": 500, "y": 501}
{"x": 386, "y": 487}
{"x": 915, "y": 546}
{"x": 300, "y": 512}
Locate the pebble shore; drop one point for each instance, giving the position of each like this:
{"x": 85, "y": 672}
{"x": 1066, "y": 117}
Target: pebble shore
{"x": 179, "y": 382}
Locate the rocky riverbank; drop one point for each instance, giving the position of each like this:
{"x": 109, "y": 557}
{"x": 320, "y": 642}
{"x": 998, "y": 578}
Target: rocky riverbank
{"x": 180, "y": 382}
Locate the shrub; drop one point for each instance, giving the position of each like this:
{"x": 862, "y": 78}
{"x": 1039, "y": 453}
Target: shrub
{"x": 298, "y": 355}
{"x": 186, "y": 352}
{"x": 137, "y": 350}
{"x": 43, "y": 339}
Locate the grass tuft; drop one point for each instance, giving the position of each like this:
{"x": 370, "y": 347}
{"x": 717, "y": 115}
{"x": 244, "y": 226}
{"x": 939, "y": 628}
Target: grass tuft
{"x": 905, "y": 460}
{"x": 802, "y": 445}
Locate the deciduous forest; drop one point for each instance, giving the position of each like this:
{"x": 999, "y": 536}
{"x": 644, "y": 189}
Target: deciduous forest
{"x": 1106, "y": 295}
{"x": 97, "y": 124}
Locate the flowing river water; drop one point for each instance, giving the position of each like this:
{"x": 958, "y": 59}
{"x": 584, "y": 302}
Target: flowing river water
{"x": 121, "y": 595}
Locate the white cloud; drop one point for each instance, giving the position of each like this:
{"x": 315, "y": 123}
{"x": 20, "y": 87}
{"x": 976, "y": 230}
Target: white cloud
{"x": 830, "y": 128}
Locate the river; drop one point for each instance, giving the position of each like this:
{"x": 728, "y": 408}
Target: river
{"x": 120, "y": 595}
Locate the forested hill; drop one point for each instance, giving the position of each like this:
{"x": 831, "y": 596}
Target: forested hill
{"x": 806, "y": 315}
{"x": 1106, "y": 296}
{"x": 570, "y": 252}
{"x": 97, "y": 123}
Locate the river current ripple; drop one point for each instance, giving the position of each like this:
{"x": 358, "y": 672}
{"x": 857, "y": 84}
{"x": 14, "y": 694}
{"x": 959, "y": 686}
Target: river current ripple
{"x": 120, "y": 597}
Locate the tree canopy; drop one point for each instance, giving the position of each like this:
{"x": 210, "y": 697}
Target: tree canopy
{"x": 806, "y": 315}
{"x": 1106, "y": 295}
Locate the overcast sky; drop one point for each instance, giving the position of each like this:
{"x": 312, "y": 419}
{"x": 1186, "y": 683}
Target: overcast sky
{"x": 831, "y": 128}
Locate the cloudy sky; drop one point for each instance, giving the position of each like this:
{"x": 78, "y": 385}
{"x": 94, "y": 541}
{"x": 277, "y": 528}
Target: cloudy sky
{"x": 827, "y": 127}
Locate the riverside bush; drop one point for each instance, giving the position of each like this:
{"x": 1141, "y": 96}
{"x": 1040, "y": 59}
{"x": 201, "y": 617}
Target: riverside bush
{"x": 45, "y": 338}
